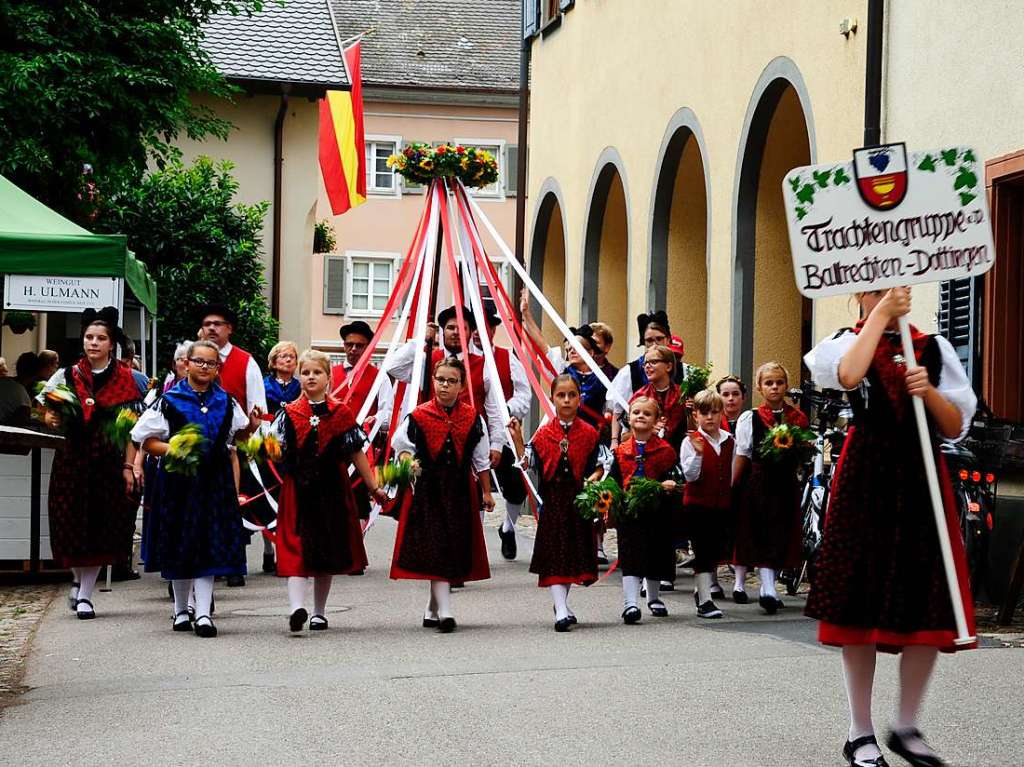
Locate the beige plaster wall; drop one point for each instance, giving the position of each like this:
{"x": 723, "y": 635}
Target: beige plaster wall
{"x": 612, "y": 75}
{"x": 387, "y": 224}
{"x": 554, "y": 273}
{"x": 251, "y": 148}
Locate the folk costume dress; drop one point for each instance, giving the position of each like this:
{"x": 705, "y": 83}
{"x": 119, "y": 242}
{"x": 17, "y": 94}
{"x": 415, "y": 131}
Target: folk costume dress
{"x": 563, "y": 455}
{"x": 880, "y": 576}
{"x": 280, "y": 394}
{"x": 196, "y": 526}
{"x": 440, "y": 535}
{"x": 318, "y": 530}
{"x": 92, "y": 519}
{"x": 707, "y": 498}
{"x": 673, "y": 409}
{"x": 769, "y": 524}
{"x": 646, "y": 547}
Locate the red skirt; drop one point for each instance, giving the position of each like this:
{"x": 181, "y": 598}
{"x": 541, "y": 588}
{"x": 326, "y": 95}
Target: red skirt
{"x": 880, "y": 578}
{"x": 565, "y": 550}
{"x": 340, "y": 543}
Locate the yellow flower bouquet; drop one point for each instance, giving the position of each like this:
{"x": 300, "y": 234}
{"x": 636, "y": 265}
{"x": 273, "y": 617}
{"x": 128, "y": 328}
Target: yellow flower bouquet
{"x": 599, "y": 500}
{"x": 785, "y": 443}
{"x": 185, "y": 450}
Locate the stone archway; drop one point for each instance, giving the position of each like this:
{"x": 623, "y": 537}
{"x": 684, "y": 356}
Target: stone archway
{"x": 547, "y": 255}
{"x": 680, "y": 222}
{"x": 606, "y": 254}
{"x": 770, "y": 318}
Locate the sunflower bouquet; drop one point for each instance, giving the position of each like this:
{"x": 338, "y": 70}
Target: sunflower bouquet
{"x": 63, "y": 400}
{"x": 261, "y": 448}
{"x": 642, "y": 495}
{"x": 422, "y": 163}
{"x": 184, "y": 450}
{"x": 600, "y": 500}
{"x": 786, "y": 443}
{"x": 118, "y": 430}
{"x": 397, "y": 474}
{"x": 696, "y": 380}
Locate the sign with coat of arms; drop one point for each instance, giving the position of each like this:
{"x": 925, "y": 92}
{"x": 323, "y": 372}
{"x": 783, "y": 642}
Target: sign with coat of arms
{"x": 888, "y": 218}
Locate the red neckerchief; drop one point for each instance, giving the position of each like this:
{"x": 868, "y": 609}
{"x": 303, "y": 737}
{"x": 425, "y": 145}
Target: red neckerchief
{"x": 671, "y": 401}
{"x": 659, "y": 457}
{"x": 893, "y": 375}
{"x": 547, "y": 444}
{"x": 338, "y": 420}
{"x": 119, "y": 389}
{"x": 790, "y": 415}
{"x": 436, "y": 424}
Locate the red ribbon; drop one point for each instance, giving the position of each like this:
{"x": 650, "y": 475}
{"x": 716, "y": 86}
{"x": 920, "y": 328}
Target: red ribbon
{"x": 456, "y": 283}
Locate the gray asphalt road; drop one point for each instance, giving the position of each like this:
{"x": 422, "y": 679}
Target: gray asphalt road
{"x": 376, "y": 689}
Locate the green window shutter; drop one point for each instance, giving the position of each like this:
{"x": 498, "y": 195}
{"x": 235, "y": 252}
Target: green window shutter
{"x": 334, "y": 284}
{"x": 511, "y": 170}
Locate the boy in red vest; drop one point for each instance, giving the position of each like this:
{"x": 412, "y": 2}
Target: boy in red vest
{"x": 706, "y": 460}
{"x": 240, "y": 377}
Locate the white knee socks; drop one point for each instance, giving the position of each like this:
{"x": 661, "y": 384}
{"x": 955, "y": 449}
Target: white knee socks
{"x": 741, "y": 577}
{"x": 440, "y": 593}
{"x": 653, "y": 589}
{"x": 703, "y": 587}
{"x": 87, "y": 582}
{"x": 859, "y": 676}
{"x": 321, "y": 590}
{"x": 630, "y": 590}
{"x": 767, "y": 576}
{"x": 916, "y": 666}
{"x": 296, "y": 592}
{"x": 560, "y": 596}
{"x": 204, "y": 595}
{"x": 182, "y": 591}
{"x": 512, "y": 514}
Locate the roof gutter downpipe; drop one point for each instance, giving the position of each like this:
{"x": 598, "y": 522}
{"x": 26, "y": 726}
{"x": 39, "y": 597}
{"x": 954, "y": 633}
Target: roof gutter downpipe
{"x": 873, "y": 74}
{"x": 275, "y": 265}
{"x": 524, "y": 113}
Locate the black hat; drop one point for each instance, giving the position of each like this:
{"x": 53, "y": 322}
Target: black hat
{"x": 447, "y": 314}
{"x": 359, "y": 327}
{"x": 659, "y": 317}
{"x": 221, "y": 310}
{"x": 491, "y": 313}
{"x": 108, "y": 316}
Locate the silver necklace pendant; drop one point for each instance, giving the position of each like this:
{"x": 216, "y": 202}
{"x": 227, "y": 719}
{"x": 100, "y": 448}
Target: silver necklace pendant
{"x": 204, "y": 409}
{"x": 314, "y": 421}
{"x": 89, "y": 401}
{"x": 899, "y": 360}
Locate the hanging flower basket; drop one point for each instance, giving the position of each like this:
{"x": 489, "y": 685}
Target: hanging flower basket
{"x": 422, "y": 163}
{"x": 19, "y": 321}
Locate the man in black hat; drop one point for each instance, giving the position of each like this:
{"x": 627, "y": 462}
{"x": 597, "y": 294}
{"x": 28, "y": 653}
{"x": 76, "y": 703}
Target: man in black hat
{"x": 515, "y": 387}
{"x": 356, "y": 336}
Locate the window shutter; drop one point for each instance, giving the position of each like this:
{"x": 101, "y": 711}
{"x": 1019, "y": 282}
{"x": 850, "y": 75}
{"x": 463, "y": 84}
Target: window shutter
{"x": 531, "y": 17}
{"x": 511, "y": 170}
{"x": 334, "y": 285}
{"x": 958, "y": 318}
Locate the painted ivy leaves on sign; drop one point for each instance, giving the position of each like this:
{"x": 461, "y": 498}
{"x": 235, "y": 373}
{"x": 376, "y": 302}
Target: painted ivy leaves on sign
{"x": 887, "y": 218}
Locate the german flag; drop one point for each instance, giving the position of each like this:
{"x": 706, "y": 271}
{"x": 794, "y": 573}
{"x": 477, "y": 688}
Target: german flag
{"x": 342, "y": 140}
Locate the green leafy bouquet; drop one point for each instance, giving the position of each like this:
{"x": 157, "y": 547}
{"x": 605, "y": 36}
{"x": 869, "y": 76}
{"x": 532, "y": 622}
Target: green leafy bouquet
{"x": 787, "y": 444}
{"x": 185, "y": 450}
{"x": 642, "y": 495}
{"x": 397, "y": 474}
{"x": 600, "y": 500}
{"x": 118, "y": 430}
{"x": 62, "y": 400}
{"x": 696, "y": 380}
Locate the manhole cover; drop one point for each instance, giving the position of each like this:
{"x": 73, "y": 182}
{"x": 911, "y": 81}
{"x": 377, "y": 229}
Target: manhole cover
{"x": 281, "y": 612}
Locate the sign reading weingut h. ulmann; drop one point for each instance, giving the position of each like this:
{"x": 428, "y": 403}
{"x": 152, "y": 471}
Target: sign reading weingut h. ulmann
{"x": 888, "y": 218}
{"x": 38, "y": 293}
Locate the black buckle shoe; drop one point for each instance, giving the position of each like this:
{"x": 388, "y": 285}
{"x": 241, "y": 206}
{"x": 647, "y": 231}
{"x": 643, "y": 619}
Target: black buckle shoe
{"x": 897, "y": 746}
{"x": 85, "y": 615}
{"x": 446, "y": 626}
{"x": 631, "y": 615}
{"x": 851, "y": 748}
{"x": 562, "y": 625}
{"x": 269, "y": 565}
{"x": 205, "y": 630}
{"x": 508, "y": 543}
{"x": 431, "y": 623}
{"x": 740, "y": 597}
{"x": 769, "y": 604}
{"x": 185, "y": 625}
{"x": 318, "y": 623}
{"x": 297, "y": 620}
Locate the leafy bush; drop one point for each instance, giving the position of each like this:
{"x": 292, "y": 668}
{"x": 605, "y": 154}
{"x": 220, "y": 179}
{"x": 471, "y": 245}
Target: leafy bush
{"x": 323, "y": 237}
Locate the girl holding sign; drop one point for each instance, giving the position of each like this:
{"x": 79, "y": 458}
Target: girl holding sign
{"x": 881, "y": 584}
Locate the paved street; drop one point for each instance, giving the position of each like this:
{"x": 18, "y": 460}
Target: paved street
{"x": 504, "y": 689}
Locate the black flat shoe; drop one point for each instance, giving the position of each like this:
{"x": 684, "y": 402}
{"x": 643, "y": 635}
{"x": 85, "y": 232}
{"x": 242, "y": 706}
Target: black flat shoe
{"x": 205, "y": 630}
{"x": 630, "y": 616}
{"x": 601, "y": 558}
{"x": 508, "y": 543}
{"x": 572, "y": 618}
{"x": 431, "y": 623}
{"x": 717, "y": 592}
{"x": 667, "y": 586}
{"x": 73, "y": 600}
{"x": 897, "y": 746}
{"x": 446, "y": 625}
{"x": 179, "y": 625}
{"x": 235, "y": 581}
{"x": 86, "y": 615}
{"x": 297, "y": 620}
{"x": 851, "y": 748}
{"x": 563, "y": 625}
{"x": 740, "y": 597}
{"x": 269, "y": 565}
{"x": 658, "y": 609}
{"x": 318, "y": 623}
{"x": 768, "y": 604}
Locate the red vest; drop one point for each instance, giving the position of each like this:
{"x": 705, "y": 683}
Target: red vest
{"x": 504, "y": 365}
{"x": 436, "y": 425}
{"x": 713, "y": 488}
{"x": 476, "y": 373}
{"x": 361, "y": 388}
{"x": 232, "y": 375}
{"x": 659, "y": 458}
{"x": 547, "y": 444}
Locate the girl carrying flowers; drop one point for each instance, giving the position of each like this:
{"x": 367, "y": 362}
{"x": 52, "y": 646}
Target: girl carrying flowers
{"x": 318, "y": 532}
{"x": 197, "y": 529}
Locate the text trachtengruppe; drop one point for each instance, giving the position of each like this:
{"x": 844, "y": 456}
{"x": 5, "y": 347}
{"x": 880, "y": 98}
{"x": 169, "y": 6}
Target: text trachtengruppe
{"x": 861, "y": 233}
{"x": 915, "y": 263}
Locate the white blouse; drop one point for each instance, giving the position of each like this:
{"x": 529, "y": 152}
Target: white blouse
{"x": 823, "y": 362}
{"x": 400, "y": 443}
{"x": 691, "y": 461}
{"x": 153, "y": 423}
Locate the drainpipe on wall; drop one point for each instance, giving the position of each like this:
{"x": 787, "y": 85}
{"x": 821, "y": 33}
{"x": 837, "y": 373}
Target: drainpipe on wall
{"x": 524, "y": 111}
{"x": 873, "y": 74}
{"x": 275, "y": 265}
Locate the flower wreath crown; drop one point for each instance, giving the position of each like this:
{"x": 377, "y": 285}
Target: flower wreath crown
{"x": 422, "y": 163}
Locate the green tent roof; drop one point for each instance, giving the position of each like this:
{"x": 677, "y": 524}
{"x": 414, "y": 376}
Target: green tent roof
{"x": 37, "y": 240}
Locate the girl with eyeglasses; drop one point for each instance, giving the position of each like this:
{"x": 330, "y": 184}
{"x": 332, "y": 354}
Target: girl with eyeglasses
{"x": 198, "y": 528}
{"x": 440, "y": 534}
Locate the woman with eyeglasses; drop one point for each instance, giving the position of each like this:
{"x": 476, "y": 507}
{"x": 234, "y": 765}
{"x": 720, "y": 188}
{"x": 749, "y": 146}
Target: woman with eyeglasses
{"x": 440, "y": 535}
{"x": 94, "y": 485}
{"x": 199, "y": 527}
{"x": 281, "y": 384}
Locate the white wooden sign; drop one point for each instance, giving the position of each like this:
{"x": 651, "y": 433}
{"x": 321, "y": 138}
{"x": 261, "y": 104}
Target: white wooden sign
{"x": 886, "y": 219}
{"x": 37, "y": 293}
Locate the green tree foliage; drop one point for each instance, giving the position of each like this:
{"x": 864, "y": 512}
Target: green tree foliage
{"x": 104, "y": 83}
{"x": 201, "y": 246}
